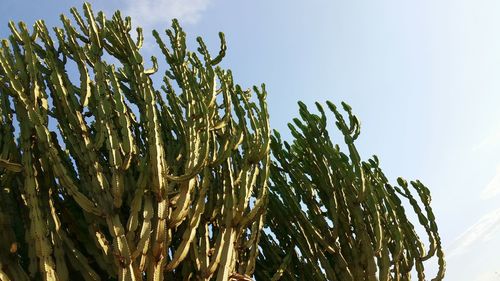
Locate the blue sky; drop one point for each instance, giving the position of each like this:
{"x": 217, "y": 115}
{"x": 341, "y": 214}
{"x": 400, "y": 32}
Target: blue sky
{"x": 423, "y": 77}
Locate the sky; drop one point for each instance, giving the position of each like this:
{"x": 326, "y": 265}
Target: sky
{"x": 423, "y": 77}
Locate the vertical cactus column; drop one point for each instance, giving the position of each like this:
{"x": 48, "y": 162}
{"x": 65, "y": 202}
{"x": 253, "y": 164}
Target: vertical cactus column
{"x": 112, "y": 178}
{"x": 334, "y": 217}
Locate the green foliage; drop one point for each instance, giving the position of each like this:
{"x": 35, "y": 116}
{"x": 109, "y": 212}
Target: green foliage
{"x": 104, "y": 176}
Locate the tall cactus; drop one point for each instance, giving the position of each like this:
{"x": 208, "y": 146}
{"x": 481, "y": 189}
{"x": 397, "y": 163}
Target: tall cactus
{"x": 106, "y": 176}
{"x": 332, "y": 216}
{"x": 135, "y": 183}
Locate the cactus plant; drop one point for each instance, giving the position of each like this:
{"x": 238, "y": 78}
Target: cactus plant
{"x": 332, "y": 216}
{"x": 134, "y": 183}
{"x": 105, "y": 175}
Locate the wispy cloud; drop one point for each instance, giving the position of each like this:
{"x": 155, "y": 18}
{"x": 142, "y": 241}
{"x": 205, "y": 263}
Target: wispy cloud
{"x": 482, "y": 231}
{"x": 493, "y": 187}
{"x": 489, "y": 141}
{"x": 489, "y": 276}
{"x": 151, "y": 13}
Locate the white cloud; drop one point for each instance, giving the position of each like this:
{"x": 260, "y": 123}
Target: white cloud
{"x": 151, "y": 13}
{"x": 488, "y": 276}
{"x": 482, "y": 231}
{"x": 493, "y": 187}
{"x": 488, "y": 142}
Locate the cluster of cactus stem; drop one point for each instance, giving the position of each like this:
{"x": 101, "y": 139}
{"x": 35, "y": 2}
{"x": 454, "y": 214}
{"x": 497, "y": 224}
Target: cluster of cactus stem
{"x": 332, "y": 216}
{"x": 104, "y": 176}
{"x": 136, "y": 183}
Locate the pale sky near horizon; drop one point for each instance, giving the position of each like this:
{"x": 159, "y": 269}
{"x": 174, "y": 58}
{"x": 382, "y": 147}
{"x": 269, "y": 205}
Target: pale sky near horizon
{"x": 423, "y": 77}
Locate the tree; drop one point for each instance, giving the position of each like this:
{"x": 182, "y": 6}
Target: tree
{"x": 106, "y": 177}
